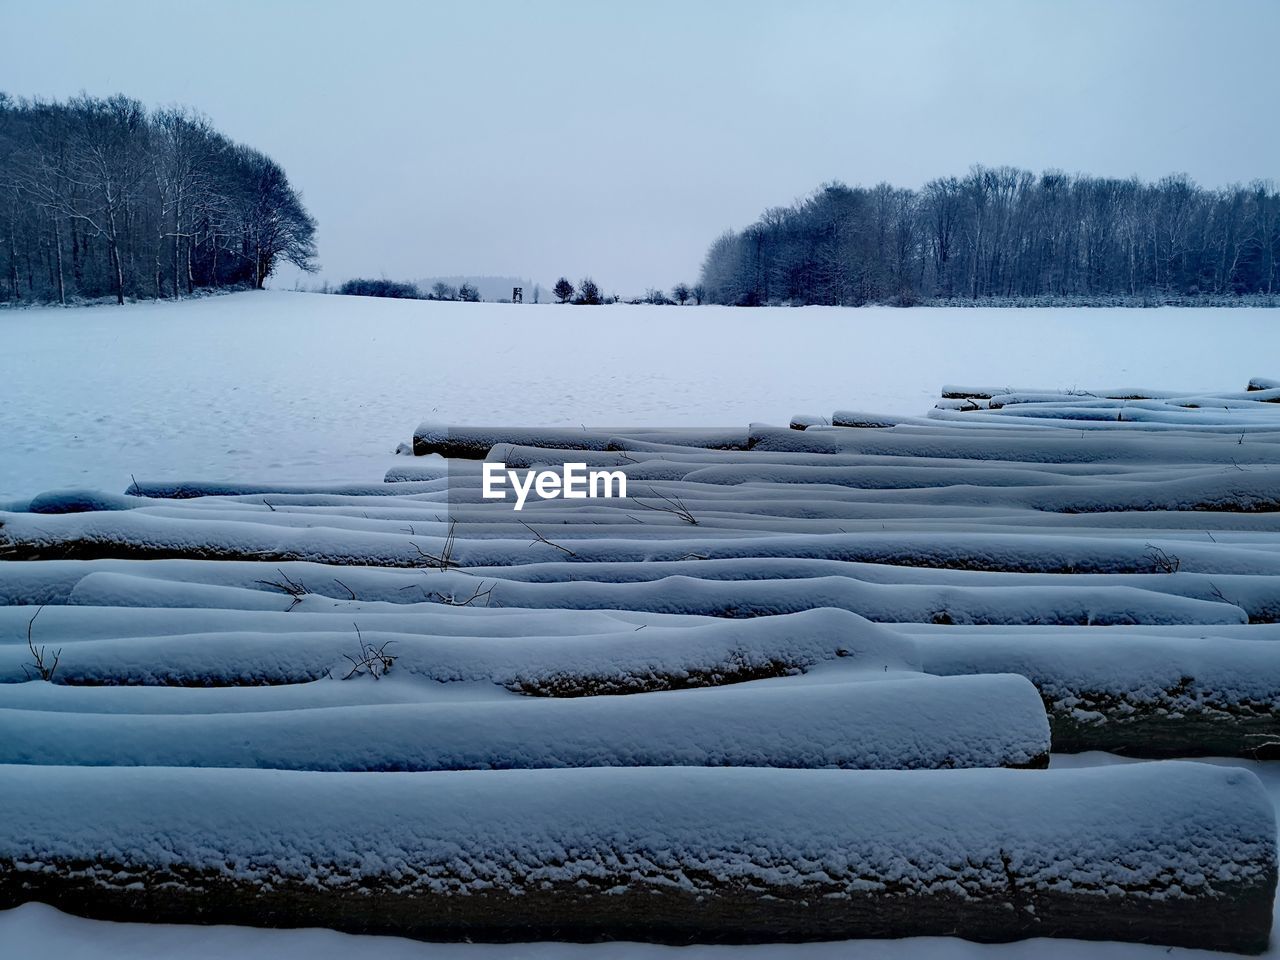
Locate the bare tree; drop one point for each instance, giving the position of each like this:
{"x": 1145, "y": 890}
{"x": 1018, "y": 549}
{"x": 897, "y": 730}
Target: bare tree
{"x": 1001, "y": 232}
{"x": 182, "y": 171}
{"x": 278, "y": 227}
{"x": 99, "y": 197}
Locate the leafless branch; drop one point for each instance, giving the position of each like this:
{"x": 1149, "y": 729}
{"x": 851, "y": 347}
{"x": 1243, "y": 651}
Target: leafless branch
{"x": 674, "y": 505}
{"x": 1162, "y": 561}
{"x": 450, "y": 600}
{"x": 292, "y": 588}
{"x": 43, "y": 669}
{"x": 539, "y": 538}
{"x": 371, "y": 660}
{"x": 445, "y": 560}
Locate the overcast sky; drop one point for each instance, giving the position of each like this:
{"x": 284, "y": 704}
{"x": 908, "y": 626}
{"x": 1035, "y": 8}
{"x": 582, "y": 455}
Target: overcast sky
{"x": 616, "y": 140}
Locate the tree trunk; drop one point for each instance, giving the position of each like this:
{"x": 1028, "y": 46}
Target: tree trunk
{"x": 177, "y": 241}
{"x": 57, "y": 244}
{"x": 113, "y": 248}
{"x": 14, "y": 290}
{"x": 117, "y": 270}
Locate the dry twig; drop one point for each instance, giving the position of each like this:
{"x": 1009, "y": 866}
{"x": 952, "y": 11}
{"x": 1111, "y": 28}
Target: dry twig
{"x": 44, "y": 670}
{"x": 374, "y": 661}
{"x": 445, "y": 560}
{"x": 539, "y": 538}
{"x": 293, "y": 588}
{"x": 674, "y": 505}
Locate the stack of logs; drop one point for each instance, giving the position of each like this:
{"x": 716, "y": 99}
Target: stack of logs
{"x": 548, "y": 711}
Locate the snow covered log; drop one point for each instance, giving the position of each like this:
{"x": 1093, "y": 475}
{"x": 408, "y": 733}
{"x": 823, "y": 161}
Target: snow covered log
{"x": 552, "y": 656}
{"x": 139, "y": 535}
{"x": 954, "y": 392}
{"x": 1145, "y": 696}
{"x": 1024, "y": 488}
{"x": 1257, "y": 596}
{"x": 1190, "y": 415}
{"x": 473, "y": 443}
{"x": 517, "y": 456}
{"x": 686, "y": 595}
{"x": 856, "y": 418}
{"x": 1170, "y": 853}
{"x": 1028, "y": 444}
{"x": 431, "y": 475}
{"x": 741, "y": 586}
{"x": 1121, "y": 422}
{"x": 1248, "y": 401}
{"x": 918, "y": 723}
{"x": 82, "y": 501}
{"x": 62, "y": 624}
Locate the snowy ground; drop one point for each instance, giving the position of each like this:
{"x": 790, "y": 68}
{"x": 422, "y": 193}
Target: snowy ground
{"x": 288, "y": 386}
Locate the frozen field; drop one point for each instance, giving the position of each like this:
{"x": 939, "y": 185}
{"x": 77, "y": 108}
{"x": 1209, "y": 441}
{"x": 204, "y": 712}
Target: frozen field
{"x": 288, "y": 386}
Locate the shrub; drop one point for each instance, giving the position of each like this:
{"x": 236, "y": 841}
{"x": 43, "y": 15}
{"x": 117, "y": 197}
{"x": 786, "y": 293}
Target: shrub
{"x": 380, "y": 288}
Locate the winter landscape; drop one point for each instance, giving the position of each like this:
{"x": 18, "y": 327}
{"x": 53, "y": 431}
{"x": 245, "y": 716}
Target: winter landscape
{"x": 733, "y": 481}
{"x": 1008, "y": 571}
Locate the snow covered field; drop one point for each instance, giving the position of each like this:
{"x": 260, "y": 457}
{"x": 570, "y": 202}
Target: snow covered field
{"x": 1111, "y": 562}
{"x": 287, "y": 386}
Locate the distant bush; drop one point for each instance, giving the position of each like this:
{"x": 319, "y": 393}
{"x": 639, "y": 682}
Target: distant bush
{"x": 380, "y": 288}
{"x": 906, "y": 298}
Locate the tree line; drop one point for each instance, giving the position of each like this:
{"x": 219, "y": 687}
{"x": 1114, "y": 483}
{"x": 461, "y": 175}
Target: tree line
{"x": 1003, "y": 233}
{"x": 400, "y": 290}
{"x": 103, "y": 198}
{"x": 587, "y": 293}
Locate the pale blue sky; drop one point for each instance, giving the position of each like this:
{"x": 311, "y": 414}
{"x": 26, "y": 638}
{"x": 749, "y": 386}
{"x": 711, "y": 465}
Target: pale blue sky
{"x": 618, "y": 140}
